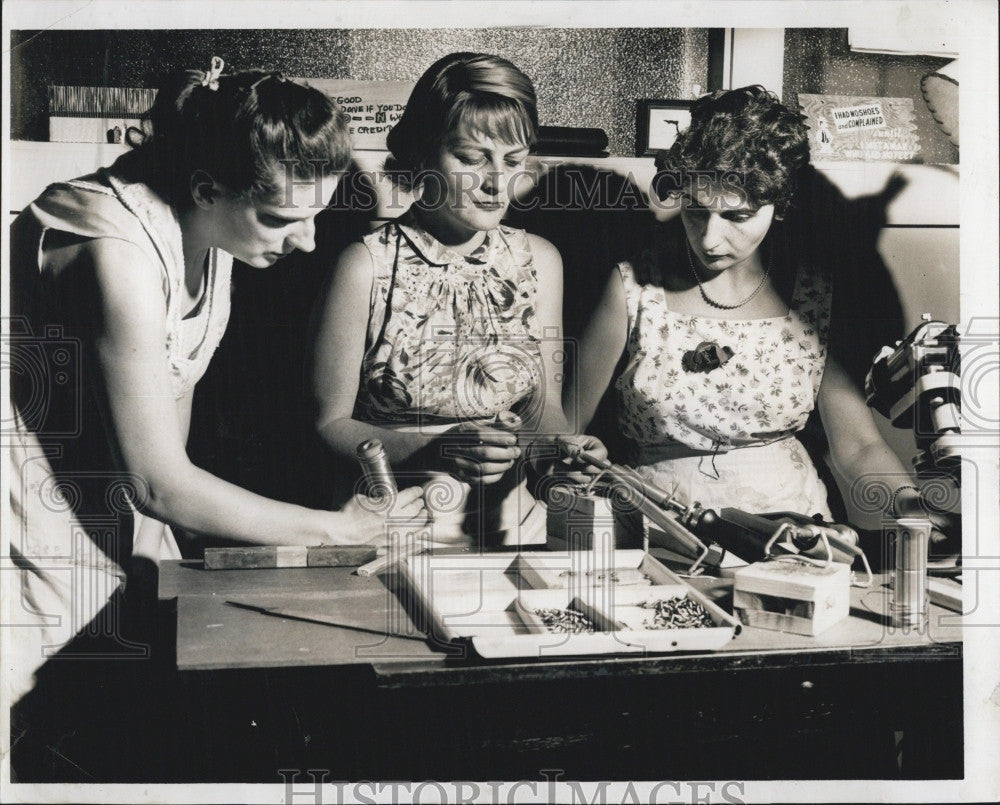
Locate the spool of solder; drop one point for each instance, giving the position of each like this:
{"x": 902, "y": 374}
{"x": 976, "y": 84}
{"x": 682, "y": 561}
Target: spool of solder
{"x": 379, "y": 480}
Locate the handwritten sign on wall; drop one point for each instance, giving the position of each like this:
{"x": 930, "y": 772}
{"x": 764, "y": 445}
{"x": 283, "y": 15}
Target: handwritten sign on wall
{"x": 859, "y": 128}
{"x": 374, "y": 106}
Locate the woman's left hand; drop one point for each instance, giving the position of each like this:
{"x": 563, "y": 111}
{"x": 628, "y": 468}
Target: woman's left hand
{"x": 478, "y": 454}
{"x": 910, "y": 502}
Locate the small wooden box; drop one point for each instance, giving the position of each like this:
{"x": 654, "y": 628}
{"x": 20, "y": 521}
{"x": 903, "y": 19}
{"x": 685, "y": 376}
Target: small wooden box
{"x": 792, "y": 596}
{"x": 579, "y": 522}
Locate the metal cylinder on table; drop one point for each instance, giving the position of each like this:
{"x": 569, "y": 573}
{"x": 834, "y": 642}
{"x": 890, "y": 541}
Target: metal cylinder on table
{"x": 379, "y": 480}
{"x": 909, "y": 583}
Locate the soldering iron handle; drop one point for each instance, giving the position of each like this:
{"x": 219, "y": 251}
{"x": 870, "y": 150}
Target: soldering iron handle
{"x": 666, "y": 523}
{"x": 622, "y": 474}
{"x": 730, "y": 532}
{"x": 574, "y": 451}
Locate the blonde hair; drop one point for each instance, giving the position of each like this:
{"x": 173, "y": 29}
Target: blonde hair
{"x": 461, "y": 90}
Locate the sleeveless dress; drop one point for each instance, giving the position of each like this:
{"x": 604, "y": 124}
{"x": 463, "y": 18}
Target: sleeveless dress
{"x": 721, "y": 430}
{"x": 454, "y": 338}
{"x": 75, "y": 512}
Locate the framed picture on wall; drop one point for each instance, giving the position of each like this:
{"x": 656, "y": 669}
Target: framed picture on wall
{"x": 658, "y": 123}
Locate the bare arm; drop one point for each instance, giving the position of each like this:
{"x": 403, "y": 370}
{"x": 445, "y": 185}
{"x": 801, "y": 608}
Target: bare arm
{"x": 858, "y": 450}
{"x": 552, "y": 425}
{"x": 600, "y": 347}
{"x": 339, "y": 350}
{"x": 148, "y": 426}
{"x": 548, "y": 311}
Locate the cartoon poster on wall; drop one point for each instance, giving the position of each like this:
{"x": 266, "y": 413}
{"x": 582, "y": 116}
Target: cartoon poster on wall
{"x": 858, "y": 128}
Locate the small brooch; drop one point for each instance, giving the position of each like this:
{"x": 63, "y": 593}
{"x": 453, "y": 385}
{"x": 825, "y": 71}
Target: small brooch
{"x": 705, "y": 357}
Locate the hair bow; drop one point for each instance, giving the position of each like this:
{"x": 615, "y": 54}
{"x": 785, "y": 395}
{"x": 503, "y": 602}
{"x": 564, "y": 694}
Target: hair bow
{"x": 211, "y": 79}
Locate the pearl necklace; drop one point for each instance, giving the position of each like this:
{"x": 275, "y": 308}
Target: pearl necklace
{"x": 719, "y": 305}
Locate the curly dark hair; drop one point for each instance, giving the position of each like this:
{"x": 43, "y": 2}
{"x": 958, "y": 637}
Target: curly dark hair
{"x": 746, "y": 135}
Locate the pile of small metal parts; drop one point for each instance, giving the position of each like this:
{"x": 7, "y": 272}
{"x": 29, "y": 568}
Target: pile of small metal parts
{"x": 678, "y": 612}
{"x": 629, "y": 576}
{"x": 624, "y": 576}
{"x": 565, "y": 621}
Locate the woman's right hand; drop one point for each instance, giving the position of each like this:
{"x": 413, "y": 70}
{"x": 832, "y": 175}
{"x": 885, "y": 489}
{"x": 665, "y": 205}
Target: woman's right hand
{"x": 363, "y": 519}
{"x": 574, "y": 468}
{"x": 476, "y": 454}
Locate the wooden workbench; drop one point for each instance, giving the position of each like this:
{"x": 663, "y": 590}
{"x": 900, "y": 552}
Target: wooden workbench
{"x": 264, "y": 693}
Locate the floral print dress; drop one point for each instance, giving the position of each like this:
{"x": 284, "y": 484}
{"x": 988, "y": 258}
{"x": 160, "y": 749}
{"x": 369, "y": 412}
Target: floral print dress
{"x": 451, "y": 338}
{"x": 711, "y": 405}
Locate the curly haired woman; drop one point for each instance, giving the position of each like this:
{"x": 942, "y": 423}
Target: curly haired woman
{"x": 725, "y": 328}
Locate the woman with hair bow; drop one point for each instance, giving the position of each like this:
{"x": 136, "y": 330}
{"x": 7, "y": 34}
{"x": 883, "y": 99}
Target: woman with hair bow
{"x": 128, "y": 270}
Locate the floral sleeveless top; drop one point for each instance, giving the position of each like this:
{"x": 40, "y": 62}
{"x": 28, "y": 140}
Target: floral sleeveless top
{"x": 450, "y": 336}
{"x": 713, "y": 384}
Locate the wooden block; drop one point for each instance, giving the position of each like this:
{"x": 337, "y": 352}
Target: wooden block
{"x": 588, "y": 522}
{"x": 341, "y": 555}
{"x": 240, "y": 558}
{"x": 580, "y": 523}
{"x": 282, "y": 556}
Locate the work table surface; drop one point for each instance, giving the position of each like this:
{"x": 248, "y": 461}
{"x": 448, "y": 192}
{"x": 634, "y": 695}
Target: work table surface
{"x": 215, "y": 635}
